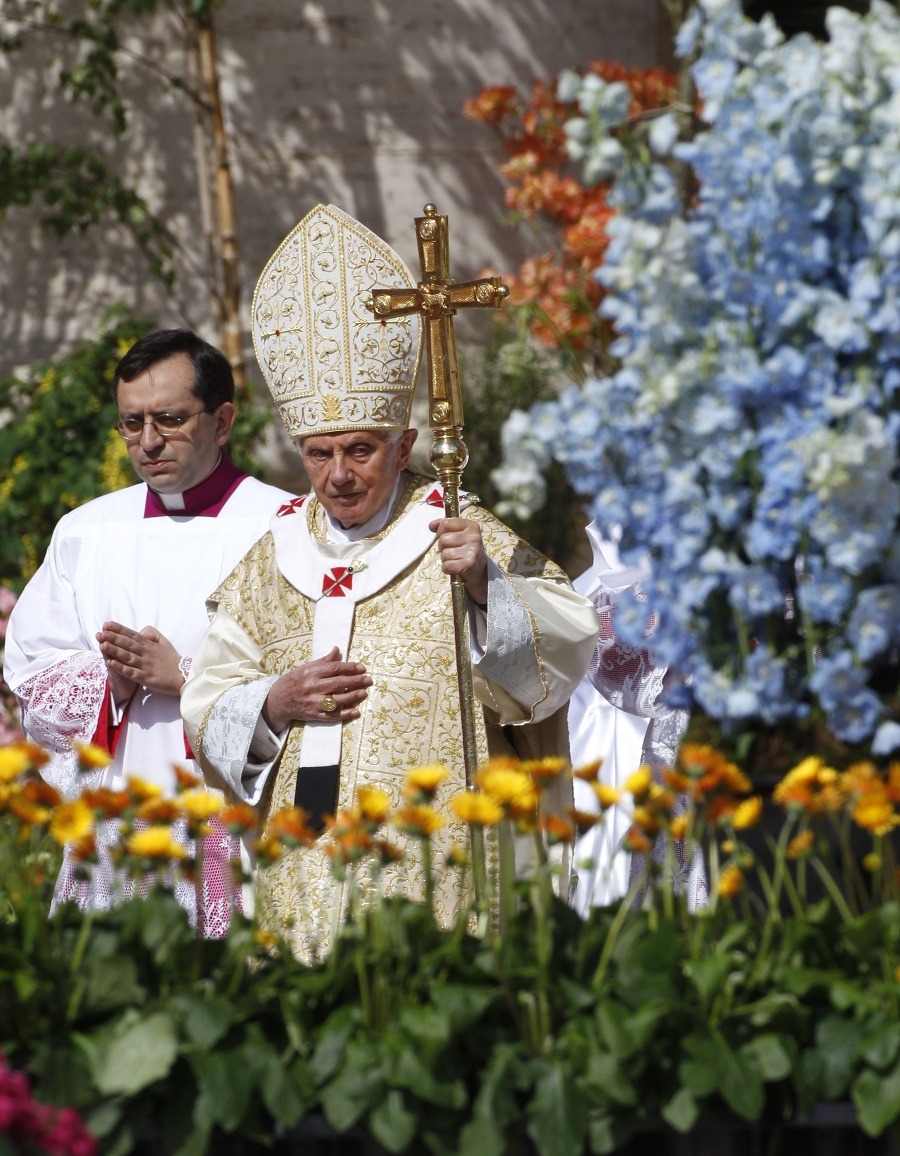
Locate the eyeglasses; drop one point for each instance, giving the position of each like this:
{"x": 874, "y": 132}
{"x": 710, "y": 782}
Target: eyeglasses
{"x": 165, "y": 424}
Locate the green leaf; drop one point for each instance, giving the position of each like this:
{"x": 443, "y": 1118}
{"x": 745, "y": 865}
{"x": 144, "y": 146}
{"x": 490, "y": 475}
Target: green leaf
{"x": 880, "y": 1047}
{"x": 709, "y": 975}
{"x": 557, "y": 1113}
{"x": 409, "y": 1072}
{"x": 837, "y": 1048}
{"x": 205, "y": 1019}
{"x": 772, "y": 1057}
{"x": 358, "y": 1088}
{"x": 877, "y": 1099}
{"x": 717, "y": 1067}
{"x": 464, "y": 1004}
{"x": 134, "y": 1054}
{"x": 605, "y": 1073}
{"x": 225, "y": 1083}
{"x": 681, "y": 1111}
{"x": 332, "y": 1043}
{"x": 496, "y": 1105}
{"x": 392, "y": 1124}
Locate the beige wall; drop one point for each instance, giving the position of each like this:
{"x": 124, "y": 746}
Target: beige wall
{"x": 351, "y": 101}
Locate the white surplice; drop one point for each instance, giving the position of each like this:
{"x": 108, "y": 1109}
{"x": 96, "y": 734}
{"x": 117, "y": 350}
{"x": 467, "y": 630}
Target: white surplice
{"x": 618, "y": 714}
{"x": 107, "y": 562}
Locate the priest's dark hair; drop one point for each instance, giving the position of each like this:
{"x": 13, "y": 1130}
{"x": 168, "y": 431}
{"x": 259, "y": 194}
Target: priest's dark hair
{"x": 213, "y": 379}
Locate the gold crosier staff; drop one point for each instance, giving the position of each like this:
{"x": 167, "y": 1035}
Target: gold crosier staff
{"x": 436, "y": 299}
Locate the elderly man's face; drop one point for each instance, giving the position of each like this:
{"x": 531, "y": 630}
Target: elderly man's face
{"x": 175, "y": 463}
{"x": 353, "y": 474}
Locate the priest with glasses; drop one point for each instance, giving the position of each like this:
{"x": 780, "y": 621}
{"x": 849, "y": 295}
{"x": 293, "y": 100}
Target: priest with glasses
{"x": 101, "y": 640}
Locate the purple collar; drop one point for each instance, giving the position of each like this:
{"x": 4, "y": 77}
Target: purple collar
{"x": 204, "y": 500}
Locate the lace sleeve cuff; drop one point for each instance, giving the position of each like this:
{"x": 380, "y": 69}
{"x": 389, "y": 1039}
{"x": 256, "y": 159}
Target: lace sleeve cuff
{"x": 231, "y": 730}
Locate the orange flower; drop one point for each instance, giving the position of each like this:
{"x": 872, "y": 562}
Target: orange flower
{"x": 607, "y": 796}
{"x": 419, "y": 820}
{"x": 71, "y": 822}
{"x": 811, "y": 786}
{"x": 874, "y": 812}
{"x": 800, "y": 845}
{"x": 268, "y": 849}
{"x": 557, "y": 829}
{"x": 38, "y": 756}
{"x": 476, "y": 808}
{"x": 158, "y": 810}
{"x": 639, "y": 783}
{"x": 106, "y": 803}
{"x": 290, "y": 827}
{"x": 678, "y": 828}
{"x": 425, "y": 780}
{"x": 142, "y": 789}
{"x": 184, "y": 779}
{"x": 154, "y": 843}
{"x": 238, "y": 818}
{"x": 84, "y": 850}
{"x": 545, "y": 770}
{"x": 492, "y": 104}
{"x": 350, "y": 840}
{"x": 583, "y": 820}
{"x": 647, "y": 819}
{"x": 730, "y": 881}
{"x": 374, "y": 804}
{"x": 748, "y": 813}
{"x": 91, "y": 757}
{"x": 387, "y": 852}
{"x": 636, "y": 841}
{"x": 588, "y": 773}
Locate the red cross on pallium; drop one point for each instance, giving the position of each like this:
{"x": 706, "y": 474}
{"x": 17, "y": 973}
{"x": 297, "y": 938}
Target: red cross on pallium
{"x": 336, "y": 583}
{"x": 290, "y": 507}
{"x": 435, "y": 498}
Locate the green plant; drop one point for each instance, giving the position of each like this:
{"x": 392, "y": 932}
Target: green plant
{"x": 556, "y": 1033}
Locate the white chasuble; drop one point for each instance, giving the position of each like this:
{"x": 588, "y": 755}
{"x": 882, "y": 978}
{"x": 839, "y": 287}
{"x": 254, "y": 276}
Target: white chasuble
{"x": 387, "y": 606}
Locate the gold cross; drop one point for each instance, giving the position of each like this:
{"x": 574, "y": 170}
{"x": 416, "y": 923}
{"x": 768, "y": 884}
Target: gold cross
{"x": 436, "y": 299}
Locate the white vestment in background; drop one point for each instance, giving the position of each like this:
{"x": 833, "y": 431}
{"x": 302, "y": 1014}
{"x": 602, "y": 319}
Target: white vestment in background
{"x": 108, "y": 562}
{"x": 617, "y": 714}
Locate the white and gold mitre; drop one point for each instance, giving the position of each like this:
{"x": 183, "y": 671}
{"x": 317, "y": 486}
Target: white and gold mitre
{"x": 329, "y": 364}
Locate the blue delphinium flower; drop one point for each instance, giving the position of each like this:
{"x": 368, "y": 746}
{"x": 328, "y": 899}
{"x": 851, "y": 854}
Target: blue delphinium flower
{"x": 748, "y": 441}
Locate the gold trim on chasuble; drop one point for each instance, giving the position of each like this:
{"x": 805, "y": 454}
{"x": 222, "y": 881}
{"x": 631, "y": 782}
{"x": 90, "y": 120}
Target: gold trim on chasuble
{"x": 404, "y": 636}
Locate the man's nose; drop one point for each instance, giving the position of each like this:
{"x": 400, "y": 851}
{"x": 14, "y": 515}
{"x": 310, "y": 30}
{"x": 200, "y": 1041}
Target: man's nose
{"x": 341, "y": 471}
{"x": 150, "y": 437}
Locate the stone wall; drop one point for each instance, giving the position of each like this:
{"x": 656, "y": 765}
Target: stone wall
{"x": 356, "y": 102}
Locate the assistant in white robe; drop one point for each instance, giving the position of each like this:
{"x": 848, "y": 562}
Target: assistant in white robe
{"x": 618, "y": 714}
{"x": 122, "y": 557}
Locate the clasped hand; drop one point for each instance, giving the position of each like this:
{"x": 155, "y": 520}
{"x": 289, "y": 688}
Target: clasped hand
{"x": 297, "y": 696}
{"x": 139, "y": 658}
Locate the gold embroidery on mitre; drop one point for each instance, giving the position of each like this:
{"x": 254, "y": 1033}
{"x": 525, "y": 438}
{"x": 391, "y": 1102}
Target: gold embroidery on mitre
{"x": 330, "y": 364}
{"x": 331, "y": 407}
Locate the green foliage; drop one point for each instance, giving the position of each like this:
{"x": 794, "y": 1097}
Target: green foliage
{"x": 413, "y": 1033}
{"x": 59, "y": 448}
{"x": 511, "y": 374}
{"x": 77, "y": 191}
{"x": 77, "y": 186}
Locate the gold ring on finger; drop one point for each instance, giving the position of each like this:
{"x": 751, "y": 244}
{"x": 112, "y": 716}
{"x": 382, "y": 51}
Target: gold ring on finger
{"x": 329, "y": 703}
